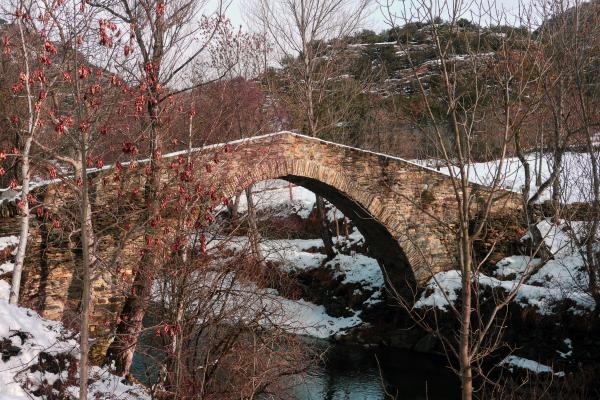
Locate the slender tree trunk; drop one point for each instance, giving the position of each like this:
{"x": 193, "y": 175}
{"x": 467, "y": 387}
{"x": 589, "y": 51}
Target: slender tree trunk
{"x": 466, "y": 373}
{"x": 324, "y": 227}
{"x": 538, "y": 177}
{"x": 337, "y": 227}
{"x": 346, "y": 231}
{"x": 25, "y": 175}
{"x": 129, "y": 327}
{"x": 253, "y": 235}
{"x": 466, "y": 266}
{"x": 23, "y": 237}
{"x": 88, "y": 262}
{"x": 86, "y": 278}
{"x": 24, "y": 227}
{"x": 233, "y": 209}
{"x": 527, "y": 210}
{"x": 558, "y": 153}
{"x": 556, "y": 198}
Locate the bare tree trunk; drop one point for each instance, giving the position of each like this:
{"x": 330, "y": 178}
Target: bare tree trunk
{"x": 324, "y": 227}
{"x": 86, "y": 244}
{"x": 128, "y": 330}
{"x": 538, "y": 177}
{"x": 253, "y": 235}
{"x": 25, "y": 175}
{"x": 233, "y": 209}
{"x": 590, "y": 252}
{"x": 527, "y": 176}
{"x": 346, "y": 232}
{"x": 558, "y": 153}
{"x": 337, "y": 226}
{"x": 466, "y": 373}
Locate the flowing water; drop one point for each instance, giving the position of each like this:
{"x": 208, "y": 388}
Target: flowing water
{"x": 355, "y": 372}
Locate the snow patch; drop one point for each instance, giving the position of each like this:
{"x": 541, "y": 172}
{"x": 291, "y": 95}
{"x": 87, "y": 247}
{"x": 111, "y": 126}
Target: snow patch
{"x": 4, "y": 290}
{"x": 516, "y": 265}
{"x": 8, "y": 241}
{"x": 575, "y": 174}
{"x": 8, "y": 266}
{"x": 441, "y": 291}
{"x": 280, "y": 196}
{"x": 513, "y": 361}
{"x": 37, "y": 335}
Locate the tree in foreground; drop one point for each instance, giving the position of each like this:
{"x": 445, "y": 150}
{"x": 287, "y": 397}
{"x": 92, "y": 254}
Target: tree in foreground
{"x": 308, "y": 38}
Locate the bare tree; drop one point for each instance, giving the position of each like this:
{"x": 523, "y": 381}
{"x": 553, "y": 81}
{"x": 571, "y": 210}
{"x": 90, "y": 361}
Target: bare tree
{"x": 159, "y": 33}
{"x": 66, "y": 145}
{"x": 572, "y": 38}
{"x": 474, "y": 94}
{"x": 307, "y": 35}
{"x": 26, "y": 136}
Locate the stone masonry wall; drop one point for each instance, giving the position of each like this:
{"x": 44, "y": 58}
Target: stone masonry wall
{"x": 405, "y": 211}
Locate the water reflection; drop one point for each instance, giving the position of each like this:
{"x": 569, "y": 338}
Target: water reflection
{"x": 352, "y": 373}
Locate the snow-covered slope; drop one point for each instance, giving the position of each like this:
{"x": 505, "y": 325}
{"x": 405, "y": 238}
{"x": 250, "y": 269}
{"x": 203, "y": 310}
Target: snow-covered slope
{"x": 39, "y": 357}
{"x": 39, "y": 360}
{"x": 543, "y": 285}
{"x": 301, "y": 316}
{"x": 575, "y": 174}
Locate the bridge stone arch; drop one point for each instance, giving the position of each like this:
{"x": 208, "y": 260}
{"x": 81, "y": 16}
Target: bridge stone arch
{"x": 404, "y": 210}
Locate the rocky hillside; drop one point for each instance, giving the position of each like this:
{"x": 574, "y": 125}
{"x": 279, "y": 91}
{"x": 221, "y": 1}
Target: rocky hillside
{"x": 377, "y": 80}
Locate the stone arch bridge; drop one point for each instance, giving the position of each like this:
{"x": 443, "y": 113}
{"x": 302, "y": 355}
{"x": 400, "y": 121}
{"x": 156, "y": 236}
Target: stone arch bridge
{"x": 404, "y": 211}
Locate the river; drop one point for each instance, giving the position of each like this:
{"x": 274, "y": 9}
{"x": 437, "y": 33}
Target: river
{"x": 351, "y": 373}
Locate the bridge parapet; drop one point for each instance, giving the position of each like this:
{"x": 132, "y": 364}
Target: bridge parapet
{"x": 405, "y": 211}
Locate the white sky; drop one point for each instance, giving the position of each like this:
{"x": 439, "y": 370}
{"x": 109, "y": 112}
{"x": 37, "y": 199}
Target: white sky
{"x": 236, "y": 11}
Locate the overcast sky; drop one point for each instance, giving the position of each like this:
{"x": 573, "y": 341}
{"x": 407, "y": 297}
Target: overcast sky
{"x": 237, "y": 13}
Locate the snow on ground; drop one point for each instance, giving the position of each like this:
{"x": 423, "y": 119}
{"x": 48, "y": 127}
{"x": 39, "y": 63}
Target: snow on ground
{"x": 355, "y": 238}
{"x": 559, "y": 239}
{"x": 280, "y": 196}
{"x": 43, "y": 336}
{"x": 358, "y": 268}
{"x": 292, "y": 253}
{"x": 4, "y": 290}
{"x": 575, "y": 174}
{"x": 6, "y": 267}
{"x": 284, "y": 198}
{"x": 544, "y": 298}
{"x": 8, "y": 241}
{"x": 513, "y": 361}
{"x": 8, "y": 195}
{"x": 569, "y": 343}
{"x": 300, "y": 316}
{"x": 440, "y": 291}
{"x": 539, "y": 284}
{"x": 294, "y": 256}
{"x": 24, "y": 335}
{"x": 28, "y": 334}
{"x": 516, "y": 265}
{"x": 238, "y": 301}
{"x": 303, "y": 317}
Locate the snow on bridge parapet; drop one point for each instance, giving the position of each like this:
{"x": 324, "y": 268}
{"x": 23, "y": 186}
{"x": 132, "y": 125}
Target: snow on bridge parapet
{"x": 273, "y": 136}
{"x": 401, "y": 208}
{"x": 10, "y": 195}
